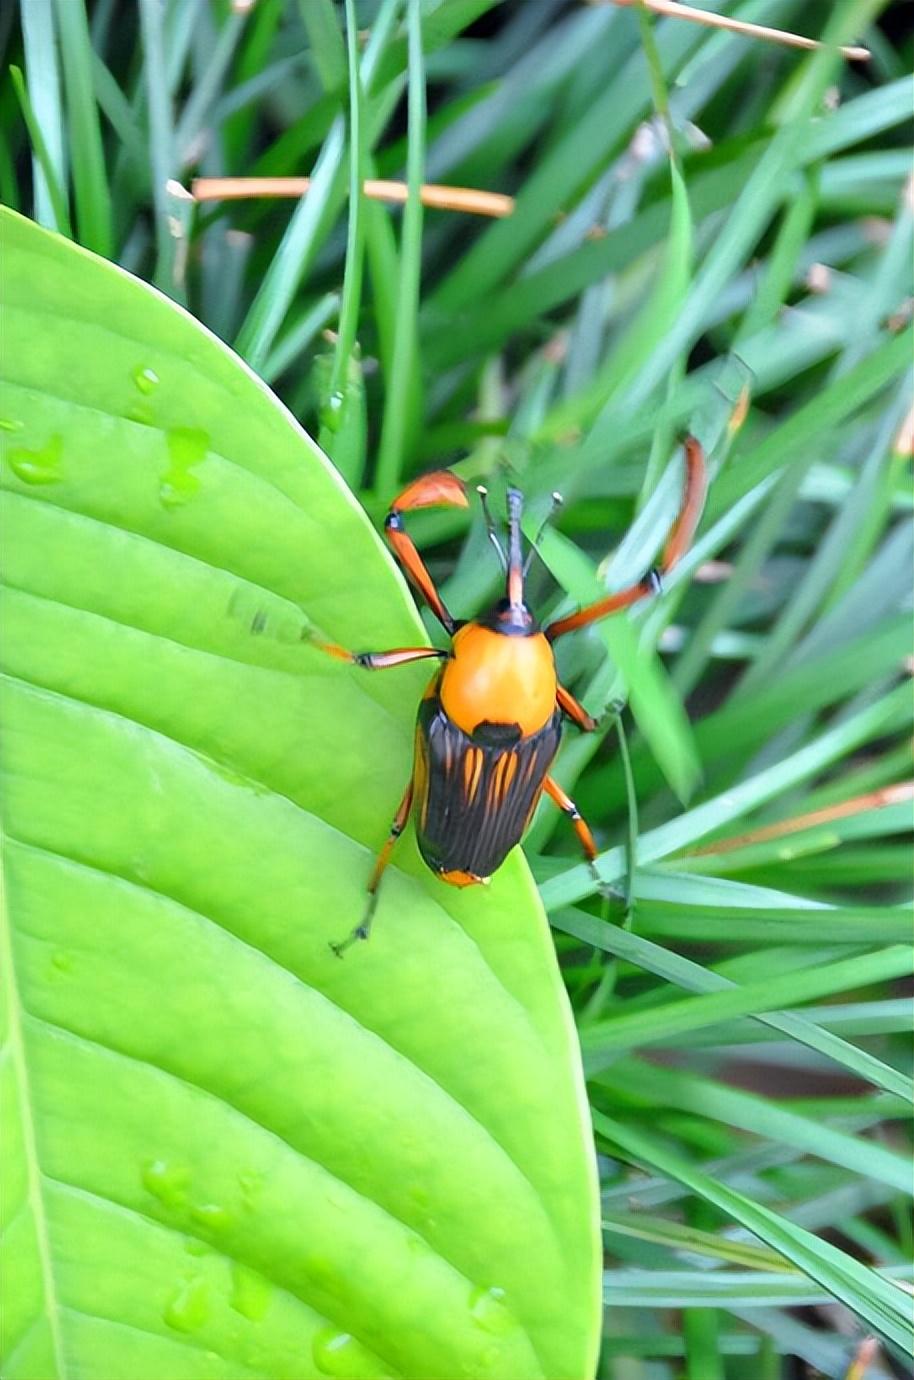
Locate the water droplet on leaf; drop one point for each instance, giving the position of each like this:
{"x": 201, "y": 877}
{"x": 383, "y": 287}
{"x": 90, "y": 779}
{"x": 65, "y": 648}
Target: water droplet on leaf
{"x": 145, "y": 379}
{"x": 251, "y": 1293}
{"x": 187, "y": 447}
{"x": 10, "y": 424}
{"x": 332, "y": 412}
{"x": 330, "y": 1350}
{"x": 167, "y": 1182}
{"x": 37, "y": 466}
{"x": 213, "y": 1216}
{"x": 188, "y": 1308}
{"x": 488, "y": 1311}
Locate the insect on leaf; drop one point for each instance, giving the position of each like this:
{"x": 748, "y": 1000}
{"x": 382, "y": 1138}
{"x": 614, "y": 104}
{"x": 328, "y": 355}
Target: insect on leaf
{"x": 233, "y": 1154}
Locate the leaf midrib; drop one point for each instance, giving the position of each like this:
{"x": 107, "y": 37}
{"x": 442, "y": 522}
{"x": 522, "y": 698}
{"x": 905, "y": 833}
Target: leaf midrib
{"x": 16, "y": 1045}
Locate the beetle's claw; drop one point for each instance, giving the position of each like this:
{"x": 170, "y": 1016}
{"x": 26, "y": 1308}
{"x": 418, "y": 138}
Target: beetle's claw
{"x": 604, "y": 888}
{"x": 360, "y": 932}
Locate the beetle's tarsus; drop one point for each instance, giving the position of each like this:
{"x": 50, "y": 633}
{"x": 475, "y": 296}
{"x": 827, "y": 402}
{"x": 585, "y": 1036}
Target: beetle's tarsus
{"x": 605, "y": 889}
{"x": 360, "y": 932}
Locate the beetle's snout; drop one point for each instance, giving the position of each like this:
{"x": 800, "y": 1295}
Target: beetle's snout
{"x": 515, "y": 589}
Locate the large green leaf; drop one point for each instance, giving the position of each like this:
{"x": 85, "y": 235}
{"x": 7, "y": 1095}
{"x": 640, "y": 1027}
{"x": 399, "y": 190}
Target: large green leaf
{"x": 232, "y": 1154}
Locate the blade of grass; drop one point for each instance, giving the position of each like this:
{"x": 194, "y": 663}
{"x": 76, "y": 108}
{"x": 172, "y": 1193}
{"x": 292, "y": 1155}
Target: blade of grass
{"x": 879, "y": 1303}
{"x": 87, "y": 158}
{"x": 888, "y": 713}
{"x": 600, "y": 1040}
{"x": 161, "y": 138}
{"x": 726, "y": 925}
{"x": 45, "y": 122}
{"x": 327, "y": 51}
{"x": 296, "y": 252}
{"x": 685, "y": 973}
{"x": 52, "y": 190}
{"x": 658, "y": 1087}
{"x": 395, "y": 424}
{"x": 681, "y": 1237}
{"x": 197, "y": 116}
{"x": 355, "y": 245}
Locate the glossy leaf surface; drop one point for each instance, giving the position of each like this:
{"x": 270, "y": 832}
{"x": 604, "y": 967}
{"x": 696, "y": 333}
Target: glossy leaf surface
{"x": 232, "y": 1154}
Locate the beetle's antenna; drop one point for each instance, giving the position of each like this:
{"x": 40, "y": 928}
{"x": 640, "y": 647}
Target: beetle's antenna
{"x": 515, "y": 560}
{"x": 490, "y": 526}
{"x": 556, "y": 503}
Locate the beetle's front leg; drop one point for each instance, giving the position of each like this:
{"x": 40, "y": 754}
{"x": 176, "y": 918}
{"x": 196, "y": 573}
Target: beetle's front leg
{"x": 378, "y": 661}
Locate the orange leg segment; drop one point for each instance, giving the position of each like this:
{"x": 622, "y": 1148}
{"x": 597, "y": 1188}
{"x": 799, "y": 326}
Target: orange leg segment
{"x": 575, "y": 711}
{"x": 439, "y": 489}
{"x": 379, "y": 661}
{"x": 677, "y": 544}
{"x": 363, "y": 929}
{"x": 579, "y": 823}
{"x": 582, "y": 829}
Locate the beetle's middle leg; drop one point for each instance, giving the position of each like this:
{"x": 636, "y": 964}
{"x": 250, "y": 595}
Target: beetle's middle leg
{"x": 576, "y": 711}
{"x": 363, "y": 928}
{"x": 581, "y": 828}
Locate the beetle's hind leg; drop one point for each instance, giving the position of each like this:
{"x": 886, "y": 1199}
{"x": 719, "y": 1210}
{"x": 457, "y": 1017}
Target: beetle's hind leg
{"x": 363, "y": 929}
{"x": 677, "y": 543}
{"x": 582, "y": 829}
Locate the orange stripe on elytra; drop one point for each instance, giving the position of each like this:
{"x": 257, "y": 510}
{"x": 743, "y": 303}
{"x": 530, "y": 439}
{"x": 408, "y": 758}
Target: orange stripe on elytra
{"x": 472, "y": 773}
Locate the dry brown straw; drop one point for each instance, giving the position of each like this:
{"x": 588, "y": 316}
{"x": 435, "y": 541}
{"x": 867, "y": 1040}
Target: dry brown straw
{"x": 860, "y": 804}
{"x": 673, "y": 10}
{"x": 469, "y": 199}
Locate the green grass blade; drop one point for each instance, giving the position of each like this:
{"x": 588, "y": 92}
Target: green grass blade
{"x": 87, "y": 158}
{"x": 49, "y": 168}
{"x": 400, "y": 390}
{"x": 685, "y": 973}
{"x": 51, "y": 189}
{"x": 880, "y": 1304}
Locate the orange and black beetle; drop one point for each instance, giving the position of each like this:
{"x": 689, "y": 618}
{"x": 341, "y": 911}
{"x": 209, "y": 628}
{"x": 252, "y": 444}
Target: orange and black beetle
{"x": 490, "y": 722}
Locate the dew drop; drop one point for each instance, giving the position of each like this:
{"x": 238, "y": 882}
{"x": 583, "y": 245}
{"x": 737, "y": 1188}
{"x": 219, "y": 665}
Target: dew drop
{"x": 140, "y": 412}
{"x": 10, "y": 424}
{"x": 331, "y": 414}
{"x": 186, "y": 448}
{"x": 145, "y": 379}
{"x": 330, "y": 1350}
{"x": 188, "y": 1308}
{"x": 194, "y": 1246}
{"x": 488, "y": 1311}
{"x": 37, "y": 466}
{"x": 62, "y": 961}
{"x": 167, "y": 1182}
{"x": 213, "y": 1216}
{"x": 251, "y": 1293}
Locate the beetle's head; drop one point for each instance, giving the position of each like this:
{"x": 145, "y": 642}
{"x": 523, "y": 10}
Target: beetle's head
{"x": 512, "y": 614}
